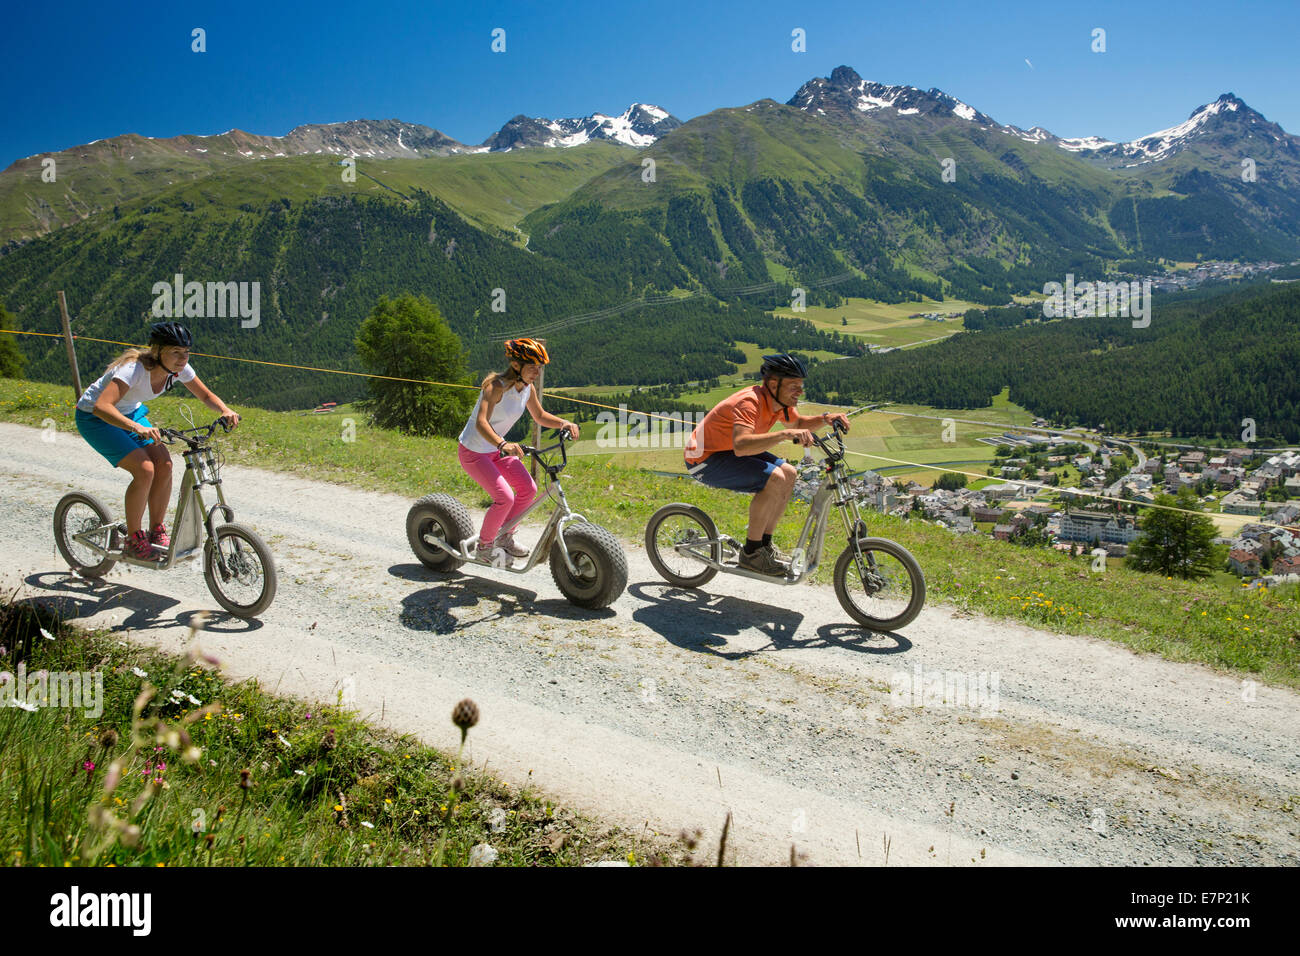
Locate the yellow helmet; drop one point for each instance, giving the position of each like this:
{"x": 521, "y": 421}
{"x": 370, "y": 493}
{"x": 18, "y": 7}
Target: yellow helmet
{"x": 527, "y": 352}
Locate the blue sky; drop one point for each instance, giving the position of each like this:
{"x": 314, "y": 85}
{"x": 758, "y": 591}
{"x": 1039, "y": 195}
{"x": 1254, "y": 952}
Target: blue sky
{"x": 76, "y": 72}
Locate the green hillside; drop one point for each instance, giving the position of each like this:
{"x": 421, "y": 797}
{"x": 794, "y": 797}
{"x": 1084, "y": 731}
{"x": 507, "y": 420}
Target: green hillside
{"x": 1203, "y": 365}
{"x": 323, "y": 263}
{"x": 493, "y": 190}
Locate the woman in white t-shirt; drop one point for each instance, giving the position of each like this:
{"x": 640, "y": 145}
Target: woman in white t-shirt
{"x": 112, "y": 417}
{"x": 494, "y": 462}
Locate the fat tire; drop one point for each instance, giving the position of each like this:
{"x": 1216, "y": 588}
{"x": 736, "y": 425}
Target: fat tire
{"x": 61, "y": 535}
{"x": 605, "y": 553}
{"x": 652, "y": 547}
{"x": 454, "y": 522}
{"x": 844, "y": 568}
{"x": 258, "y": 546}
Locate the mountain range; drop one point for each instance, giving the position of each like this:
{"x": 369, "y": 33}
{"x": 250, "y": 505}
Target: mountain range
{"x": 851, "y": 188}
{"x": 1217, "y": 131}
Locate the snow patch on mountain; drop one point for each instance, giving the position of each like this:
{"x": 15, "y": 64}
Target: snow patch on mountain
{"x": 1084, "y": 142}
{"x": 638, "y": 126}
{"x": 1159, "y": 144}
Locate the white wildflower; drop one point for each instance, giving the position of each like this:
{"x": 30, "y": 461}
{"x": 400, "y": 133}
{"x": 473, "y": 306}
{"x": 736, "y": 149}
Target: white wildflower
{"x": 482, "y": 855}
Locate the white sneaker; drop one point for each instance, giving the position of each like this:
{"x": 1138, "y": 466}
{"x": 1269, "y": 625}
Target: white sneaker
{"x": 494, "y": 556}
{"x": 506, "y": 541}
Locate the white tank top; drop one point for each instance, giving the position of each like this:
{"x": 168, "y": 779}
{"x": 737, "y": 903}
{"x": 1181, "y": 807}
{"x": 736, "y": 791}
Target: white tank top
{"x": 503, "y": 417}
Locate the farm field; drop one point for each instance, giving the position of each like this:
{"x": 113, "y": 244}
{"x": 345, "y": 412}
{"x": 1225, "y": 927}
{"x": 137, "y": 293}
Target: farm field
{"x": 888, "y": 325}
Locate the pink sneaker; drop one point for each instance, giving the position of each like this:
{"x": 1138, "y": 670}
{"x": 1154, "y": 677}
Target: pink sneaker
{"x": 159, "y": 537}
{"x": 137, "y": 546}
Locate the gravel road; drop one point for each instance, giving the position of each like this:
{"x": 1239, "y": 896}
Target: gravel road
{"x": 674, "y": 707}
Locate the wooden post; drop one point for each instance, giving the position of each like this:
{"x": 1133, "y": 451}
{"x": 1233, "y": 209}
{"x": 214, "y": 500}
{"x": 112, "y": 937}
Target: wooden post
{"x": 537, "y": 428}
{"x": 67, "y": 340}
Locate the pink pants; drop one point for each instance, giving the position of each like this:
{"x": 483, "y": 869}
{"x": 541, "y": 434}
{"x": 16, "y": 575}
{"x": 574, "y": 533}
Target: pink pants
{"x": 508, "y": 483}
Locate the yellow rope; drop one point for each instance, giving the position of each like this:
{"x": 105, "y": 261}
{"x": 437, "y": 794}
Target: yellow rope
{"x": 417, "y": 381}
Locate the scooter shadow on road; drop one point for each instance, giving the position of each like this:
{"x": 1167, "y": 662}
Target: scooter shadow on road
{"x": 430, "y": 609}
{"x": 696, "y": 621}
{"x": 85, "y": 597}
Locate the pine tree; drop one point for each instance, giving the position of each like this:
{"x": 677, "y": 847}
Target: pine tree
{"x": 11, "y": 359}
{"x": 1174, "y": 543}
{"x": 407, "y": 338}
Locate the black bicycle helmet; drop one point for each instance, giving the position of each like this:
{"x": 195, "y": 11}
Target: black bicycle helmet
{"x": 170, "y": 333}
{"x": 783, "y": 365}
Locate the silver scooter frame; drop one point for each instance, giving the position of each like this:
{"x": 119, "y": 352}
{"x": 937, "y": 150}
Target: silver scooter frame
{"x": 807, "y": 554}
{"x": 191, "y": 520}
{"x": 555, "y": 525}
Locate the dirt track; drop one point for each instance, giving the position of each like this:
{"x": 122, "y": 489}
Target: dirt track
{"x": 673, "y": 707}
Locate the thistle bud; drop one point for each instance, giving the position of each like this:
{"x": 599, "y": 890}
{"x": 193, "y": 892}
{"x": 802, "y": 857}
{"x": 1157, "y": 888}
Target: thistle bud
{"x": 465, "y": 714}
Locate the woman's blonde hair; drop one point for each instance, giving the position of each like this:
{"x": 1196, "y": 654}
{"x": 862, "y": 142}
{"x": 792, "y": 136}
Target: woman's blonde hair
{"x": 508, "y": 377}
{"x": 148, "y": 357}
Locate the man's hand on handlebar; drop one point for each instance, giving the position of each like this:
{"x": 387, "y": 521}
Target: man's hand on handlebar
{"x": 838, "y": 419}
{"x": 800, "y": 436}
{"x": 231, "y": 420}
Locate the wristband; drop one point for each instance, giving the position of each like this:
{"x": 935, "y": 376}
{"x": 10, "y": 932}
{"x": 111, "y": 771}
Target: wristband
{"x": 500, "y": 443}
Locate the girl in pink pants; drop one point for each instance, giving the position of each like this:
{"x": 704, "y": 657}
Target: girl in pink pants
{"x": 493, "y": 462}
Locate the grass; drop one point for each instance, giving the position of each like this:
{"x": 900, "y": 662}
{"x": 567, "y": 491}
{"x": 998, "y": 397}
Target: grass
{"x": 882, "y": 323}
{"x": 183, "y": 768}
{"x": 887, "y": 324}
{"x": 1251, "y": 632}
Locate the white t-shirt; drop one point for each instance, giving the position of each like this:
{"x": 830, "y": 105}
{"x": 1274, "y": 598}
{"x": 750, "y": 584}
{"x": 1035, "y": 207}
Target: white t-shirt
{"x": 502, "y": 419}
{"x": 138, "y": 387}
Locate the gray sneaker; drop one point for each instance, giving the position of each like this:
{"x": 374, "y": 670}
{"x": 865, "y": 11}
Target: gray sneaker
{"x": 762, "y": 561}
{"x": 506, "y": 541}
{"x": 474, "y": 550}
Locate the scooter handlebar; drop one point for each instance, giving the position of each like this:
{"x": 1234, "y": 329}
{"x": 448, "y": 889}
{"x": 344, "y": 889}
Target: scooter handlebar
{"x": 185, "y": 435}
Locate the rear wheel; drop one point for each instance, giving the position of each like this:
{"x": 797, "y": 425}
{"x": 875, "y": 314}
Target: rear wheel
{"x": 78, "y": 513}
{"x": 247, "y": 586}
{"x": 679, "y": 524}
{"x": 600, "y": 563}
{"x": 885, "y": 589}
{"x": 441, "y": 517}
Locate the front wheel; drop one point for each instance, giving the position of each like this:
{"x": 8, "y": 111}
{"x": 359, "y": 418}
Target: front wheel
{"x": 679, "y": 524}
{"x": 600, "y": 562}
{"x": 441, "y": 517}
{"x": 882, "y": 591}
{"x": 81, "y": 514}
{"x": 247, "y": 586}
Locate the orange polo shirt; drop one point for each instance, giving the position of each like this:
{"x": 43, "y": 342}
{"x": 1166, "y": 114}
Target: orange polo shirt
{"x": 748, "y": 406}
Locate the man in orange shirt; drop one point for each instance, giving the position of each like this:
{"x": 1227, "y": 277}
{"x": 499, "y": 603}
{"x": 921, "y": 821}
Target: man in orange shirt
{"x": 728, "y": 449}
